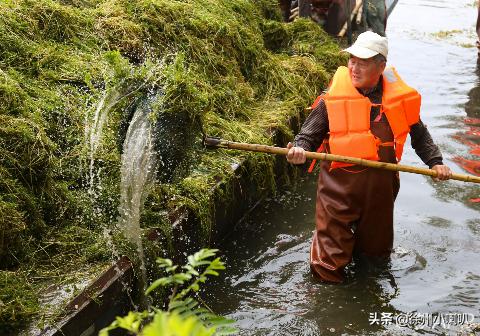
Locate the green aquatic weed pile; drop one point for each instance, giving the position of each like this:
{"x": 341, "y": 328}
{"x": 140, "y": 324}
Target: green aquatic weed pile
{"x": 229, "y": 68}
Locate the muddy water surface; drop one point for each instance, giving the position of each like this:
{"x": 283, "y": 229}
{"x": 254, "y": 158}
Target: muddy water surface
{"x": 434, "y": 273}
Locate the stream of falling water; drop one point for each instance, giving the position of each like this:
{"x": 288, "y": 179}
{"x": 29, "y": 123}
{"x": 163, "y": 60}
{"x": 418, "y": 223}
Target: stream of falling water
{"x": 137, "y": 174}
{"x": 94, "y": 130}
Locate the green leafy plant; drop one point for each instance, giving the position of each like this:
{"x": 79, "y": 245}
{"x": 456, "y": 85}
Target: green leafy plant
{"x": 185, "y": 316}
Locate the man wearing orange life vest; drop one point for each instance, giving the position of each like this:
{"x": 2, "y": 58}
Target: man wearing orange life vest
{"x": 367, "y": 112}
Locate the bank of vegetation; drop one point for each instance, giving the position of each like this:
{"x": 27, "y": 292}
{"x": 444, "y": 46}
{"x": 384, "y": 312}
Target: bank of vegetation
{"x": 72, "y": 71}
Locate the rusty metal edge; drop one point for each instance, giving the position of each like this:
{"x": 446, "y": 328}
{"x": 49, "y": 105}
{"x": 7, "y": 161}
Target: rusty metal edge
{"x": 87, "y": 313}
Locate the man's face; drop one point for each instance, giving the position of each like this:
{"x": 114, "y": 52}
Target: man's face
{"x": 365, "y": 73}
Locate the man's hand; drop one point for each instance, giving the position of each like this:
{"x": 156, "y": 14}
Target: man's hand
{"x": 443, "y": 172}
{"x": 295, "y": 155}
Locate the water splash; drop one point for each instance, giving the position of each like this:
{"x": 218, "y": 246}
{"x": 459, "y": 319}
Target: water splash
{"x": 138, "y": 166}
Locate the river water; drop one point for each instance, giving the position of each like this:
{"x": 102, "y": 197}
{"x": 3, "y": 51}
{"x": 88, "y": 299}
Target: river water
{"x": 434, "y": 274}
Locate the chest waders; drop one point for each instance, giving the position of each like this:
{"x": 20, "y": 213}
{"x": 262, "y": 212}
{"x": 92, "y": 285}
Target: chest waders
{"x": 354, "y": 211}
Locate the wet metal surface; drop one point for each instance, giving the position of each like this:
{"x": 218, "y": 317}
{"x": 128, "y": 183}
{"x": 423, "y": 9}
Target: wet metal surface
{"x": 435, "y": 270}
{"x": 95, "y": 307}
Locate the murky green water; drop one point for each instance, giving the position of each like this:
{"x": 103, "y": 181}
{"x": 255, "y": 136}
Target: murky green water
{"x": 435, "y": 269}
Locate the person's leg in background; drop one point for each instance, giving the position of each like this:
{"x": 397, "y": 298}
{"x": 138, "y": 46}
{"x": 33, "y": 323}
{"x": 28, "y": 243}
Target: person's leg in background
{"x": 375, "y": 13}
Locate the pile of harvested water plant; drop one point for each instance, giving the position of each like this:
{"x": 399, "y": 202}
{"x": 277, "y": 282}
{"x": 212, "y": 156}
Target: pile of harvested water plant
{"x": 71, "y": 74}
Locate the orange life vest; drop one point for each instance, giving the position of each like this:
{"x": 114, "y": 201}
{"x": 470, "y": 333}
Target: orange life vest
{"x": 349, "y": 115}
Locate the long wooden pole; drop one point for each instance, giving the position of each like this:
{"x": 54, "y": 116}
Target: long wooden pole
{"x": 358, "y": 5}
{"x": 220, "y": 143}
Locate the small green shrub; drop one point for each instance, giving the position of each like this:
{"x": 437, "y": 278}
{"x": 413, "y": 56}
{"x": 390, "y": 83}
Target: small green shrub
{"x": 184, "y": 315}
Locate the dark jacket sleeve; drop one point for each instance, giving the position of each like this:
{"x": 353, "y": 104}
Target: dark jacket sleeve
{"x": 314, "y": 129}
{"x": 424, "y": 146}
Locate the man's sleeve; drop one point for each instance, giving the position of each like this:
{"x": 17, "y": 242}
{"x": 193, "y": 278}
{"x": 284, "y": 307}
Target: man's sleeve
{"x": 314, "y": 129}
{"x": 424, "y": 146}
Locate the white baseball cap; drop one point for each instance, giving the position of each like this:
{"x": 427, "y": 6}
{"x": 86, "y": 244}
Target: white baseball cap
{"x": 369, "y": 44}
